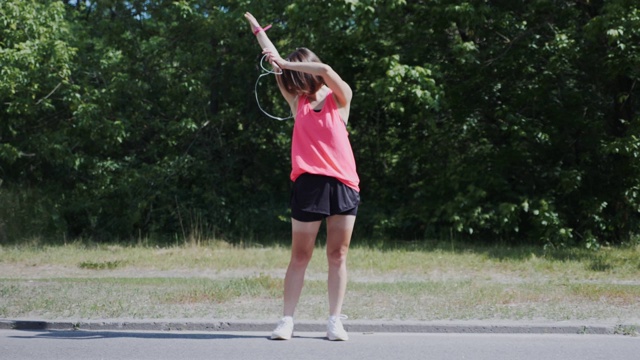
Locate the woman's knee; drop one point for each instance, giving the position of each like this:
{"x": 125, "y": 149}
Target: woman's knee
{"x": 337, "y": 256}
{"x": 301, "y": 257}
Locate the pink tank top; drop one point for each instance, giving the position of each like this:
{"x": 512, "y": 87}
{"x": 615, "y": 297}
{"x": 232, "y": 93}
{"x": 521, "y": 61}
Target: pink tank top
{"x": 321, "y": 143}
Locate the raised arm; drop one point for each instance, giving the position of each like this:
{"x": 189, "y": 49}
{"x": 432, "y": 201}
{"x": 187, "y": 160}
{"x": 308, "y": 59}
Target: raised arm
{"x": 260, "y": 33}
{"x": 267, "y": 46}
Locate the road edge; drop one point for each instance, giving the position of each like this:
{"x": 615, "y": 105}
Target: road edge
{"x": 471, "y": 327}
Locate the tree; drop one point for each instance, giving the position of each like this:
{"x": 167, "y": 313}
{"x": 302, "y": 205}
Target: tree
{"x": 35, "y": 69}
{"x": 510, "y": 121}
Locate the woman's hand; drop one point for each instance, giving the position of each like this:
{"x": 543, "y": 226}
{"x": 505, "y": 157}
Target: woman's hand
{"x": 252, "y": 21}
{"x": 274, "y": 59}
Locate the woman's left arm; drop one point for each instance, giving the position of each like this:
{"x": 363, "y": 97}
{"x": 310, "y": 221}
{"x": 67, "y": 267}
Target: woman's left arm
{"x": 341, "y": 89}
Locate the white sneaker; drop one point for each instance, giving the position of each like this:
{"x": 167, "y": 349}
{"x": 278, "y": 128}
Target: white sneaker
{"x": 284, "y": 330}
{"x": 335, "y": 330}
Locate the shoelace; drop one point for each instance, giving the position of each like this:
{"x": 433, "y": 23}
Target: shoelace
{"x": 282, "y": 323}
{"x": 341, "y": 317}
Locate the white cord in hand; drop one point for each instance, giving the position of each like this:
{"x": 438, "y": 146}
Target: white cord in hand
{"x": 268, "y": 72}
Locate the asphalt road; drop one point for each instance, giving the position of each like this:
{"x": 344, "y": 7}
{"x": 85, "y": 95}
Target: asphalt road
{"x": 142, "y": 345}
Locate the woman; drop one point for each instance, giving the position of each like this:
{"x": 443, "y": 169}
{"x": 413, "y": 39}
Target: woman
{"x": 324, "y": 175}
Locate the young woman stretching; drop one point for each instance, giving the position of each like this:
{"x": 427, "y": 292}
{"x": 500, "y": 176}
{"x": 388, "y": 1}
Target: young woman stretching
{"x": 324, "y": 175}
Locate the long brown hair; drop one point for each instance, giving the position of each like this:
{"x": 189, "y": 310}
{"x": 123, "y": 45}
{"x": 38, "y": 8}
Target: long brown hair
{"x": 297, "y": 83}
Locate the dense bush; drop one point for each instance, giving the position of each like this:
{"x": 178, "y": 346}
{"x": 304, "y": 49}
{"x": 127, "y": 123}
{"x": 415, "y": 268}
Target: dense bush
{"x": 510, "y": 121}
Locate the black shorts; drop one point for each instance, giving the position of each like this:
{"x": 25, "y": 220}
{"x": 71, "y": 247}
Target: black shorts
{"x": 314, "y": 197}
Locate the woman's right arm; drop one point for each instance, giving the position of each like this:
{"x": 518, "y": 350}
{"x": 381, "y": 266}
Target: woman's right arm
{"x": 267, "y": 45}
{"x": 261, "y": 35}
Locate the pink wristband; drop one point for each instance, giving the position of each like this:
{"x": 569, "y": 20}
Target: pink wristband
{"x": 256, "y": 31}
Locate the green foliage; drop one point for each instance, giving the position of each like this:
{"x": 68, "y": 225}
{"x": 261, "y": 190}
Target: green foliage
{"x": 498, "y": 121}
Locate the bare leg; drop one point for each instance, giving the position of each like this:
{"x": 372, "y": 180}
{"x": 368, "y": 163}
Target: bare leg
{"x": 339, "y": 230}
{"x": 302, "y": 245}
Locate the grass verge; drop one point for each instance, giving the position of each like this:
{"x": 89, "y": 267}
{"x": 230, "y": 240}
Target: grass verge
{"x": 410, "y": 282}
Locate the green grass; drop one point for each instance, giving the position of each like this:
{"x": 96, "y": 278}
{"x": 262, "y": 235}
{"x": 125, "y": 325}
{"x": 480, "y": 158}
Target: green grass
{"x": 217, "y": 280}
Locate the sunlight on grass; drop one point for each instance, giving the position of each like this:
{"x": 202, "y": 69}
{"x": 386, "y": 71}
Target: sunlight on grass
{"x": 523, "y": 263}
{"x": 221, "y": 280}
{"x": 219, "y": 292}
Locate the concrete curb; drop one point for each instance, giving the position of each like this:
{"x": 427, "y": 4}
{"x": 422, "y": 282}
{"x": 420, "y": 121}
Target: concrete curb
{"x": 473, "y": 327}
